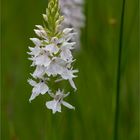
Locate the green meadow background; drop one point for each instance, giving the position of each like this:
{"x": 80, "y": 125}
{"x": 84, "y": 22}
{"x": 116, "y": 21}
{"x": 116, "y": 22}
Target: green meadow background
{"x": 97, "y": 62}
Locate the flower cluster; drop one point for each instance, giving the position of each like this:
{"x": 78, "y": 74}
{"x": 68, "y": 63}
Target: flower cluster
{"x": 74, "y": 15}
{"x": 52, "y": 58}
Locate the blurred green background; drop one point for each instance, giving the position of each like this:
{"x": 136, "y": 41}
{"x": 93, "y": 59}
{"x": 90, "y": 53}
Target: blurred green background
{"x": 93, "y": 118}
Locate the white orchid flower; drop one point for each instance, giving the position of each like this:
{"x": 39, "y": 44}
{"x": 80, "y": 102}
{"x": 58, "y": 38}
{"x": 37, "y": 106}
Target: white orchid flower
{"x": 38, "y": 88}
{"x": 55, "y": 104}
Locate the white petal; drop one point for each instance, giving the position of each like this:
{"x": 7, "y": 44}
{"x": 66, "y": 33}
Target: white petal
{"x": 58, "y": 107}
{"x": 67, "y": 45}
{"x": 68, "y": 105}
{"x": 70, "y": 36}
{"x": 36, "y": 89}
{"x": 54, "y": 69}
{"x": 59, "y": 93}
{"x": 32, "y": 82}
{"x": 42, "y": 60}
{"x": 61, "y": 40}
{"x": 66, "y": 55}
{"x": 68, "y": 74}
{"x": 35, "y": 51}
{"x": 31, "y": 48}
{"x": 36, "y": 41}
{"x": 67, "y": 30}
{"x": 60, "y": 62}
{"x": 39, "y": 27}
{"x": 54, "y": 105}
{"x": 39, "y": 72}
{"x": 33, "y": 96}
{"x": 52, "y": 48}
{"x": 72, "y": 84}
{"x": 51, "y": 70}
{"x": 58, "y": 80}
{"x": 40, "y": 33}
{"x": 43, "y": 88}
{"x": 50, "y": 104}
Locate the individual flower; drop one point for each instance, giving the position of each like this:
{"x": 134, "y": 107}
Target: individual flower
{"x": 69, "y": 75}
{"x": 38, "y": 88}
{"x": 55, "y": 104}
{"x": 66, "y": 51}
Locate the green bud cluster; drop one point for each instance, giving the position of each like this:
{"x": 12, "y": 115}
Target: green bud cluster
{"x": 53, "y": 19}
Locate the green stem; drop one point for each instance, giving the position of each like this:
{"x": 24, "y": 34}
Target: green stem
{"x": 116, "y": 121}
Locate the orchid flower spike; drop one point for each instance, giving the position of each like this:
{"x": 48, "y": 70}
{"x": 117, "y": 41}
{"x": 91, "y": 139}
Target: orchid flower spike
{"x": 52, "y": 57}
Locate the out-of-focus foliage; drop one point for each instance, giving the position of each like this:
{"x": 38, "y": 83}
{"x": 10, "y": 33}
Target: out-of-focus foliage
{"x": 93, "y": 118}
